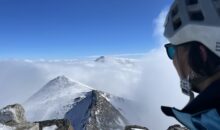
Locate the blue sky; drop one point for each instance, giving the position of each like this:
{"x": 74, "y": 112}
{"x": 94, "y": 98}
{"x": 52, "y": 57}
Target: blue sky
{"x": 51, "y": 29}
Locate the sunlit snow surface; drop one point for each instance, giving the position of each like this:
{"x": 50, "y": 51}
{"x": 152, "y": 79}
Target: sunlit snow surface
{"x": 54, "y": 99}
{"x": 63, "y": 98}
{"x": 53, "y": 127}
{"x": 4, "y": 127}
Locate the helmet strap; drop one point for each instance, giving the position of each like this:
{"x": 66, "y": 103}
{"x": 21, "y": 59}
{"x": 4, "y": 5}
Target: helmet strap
{"x": 187, "y": 88}
{"x": 196, "y": 79}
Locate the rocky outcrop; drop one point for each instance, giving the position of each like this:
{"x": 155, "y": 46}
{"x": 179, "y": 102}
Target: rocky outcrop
{"x": 27, "y": 126}
{"x": 103, "y": 115}
{"x": 173, "y": 127}
{"x": 94, "y": 112}
{"x": 61, "y": 124}
{"x": 100, "y": 115}
{"x": 177, "y": 127}
{"x": 14, "y": 116}
{"x": 133, "y": 127}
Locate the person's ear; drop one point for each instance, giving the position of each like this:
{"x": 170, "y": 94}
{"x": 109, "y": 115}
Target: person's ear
{"x": 203, "y": 53}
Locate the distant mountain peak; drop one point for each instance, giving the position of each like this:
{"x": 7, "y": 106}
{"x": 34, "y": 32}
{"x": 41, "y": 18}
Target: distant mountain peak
{"x": 100, "y": 59}
{"x": 115, "y": 60}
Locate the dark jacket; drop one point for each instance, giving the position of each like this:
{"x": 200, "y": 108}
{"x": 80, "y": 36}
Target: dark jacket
{"x": 202, "y": 113}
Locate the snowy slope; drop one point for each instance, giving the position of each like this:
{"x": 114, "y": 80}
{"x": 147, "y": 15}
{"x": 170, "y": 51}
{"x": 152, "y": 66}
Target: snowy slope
{"x": 129, "y": 109}
{"x": 62, "y": 98}
{"x": 4, "y": 127}
{"x": 54, "y": 99}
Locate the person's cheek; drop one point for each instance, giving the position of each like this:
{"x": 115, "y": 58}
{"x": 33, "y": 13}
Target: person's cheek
{"x": 175, "y": 64}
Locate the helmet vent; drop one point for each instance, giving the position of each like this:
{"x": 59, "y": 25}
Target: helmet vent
{"x": 196, "y": 15}
{"x": 175, "y": 18}
{"x": 177, "y": 23}
{"x": 216, "y": 3}
{"x": 218, "y": 11}
{"x": 174, "y": 11}
{"x": 217, "y": 46}
{"x": 194, "y": 11}
{"x": 191, "y": 2}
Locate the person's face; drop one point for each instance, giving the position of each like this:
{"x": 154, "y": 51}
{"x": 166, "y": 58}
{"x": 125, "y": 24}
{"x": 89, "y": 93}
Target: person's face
{"x": 179, "y": 55}
{"x": 180, "y": 61}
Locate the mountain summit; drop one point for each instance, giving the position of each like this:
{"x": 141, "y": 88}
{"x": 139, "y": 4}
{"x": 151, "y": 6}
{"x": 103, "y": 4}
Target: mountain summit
{"x": 84, "y": 107}
{"x": 60, "y": 80}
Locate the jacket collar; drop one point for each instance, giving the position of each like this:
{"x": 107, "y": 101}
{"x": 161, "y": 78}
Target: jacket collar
{"x": 208, "y": 99}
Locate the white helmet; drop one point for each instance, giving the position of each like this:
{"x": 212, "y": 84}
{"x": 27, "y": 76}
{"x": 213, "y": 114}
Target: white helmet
{"x": 194, "y": 20}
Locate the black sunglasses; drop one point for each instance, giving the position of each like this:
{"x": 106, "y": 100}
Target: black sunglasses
{"x": 170, "y": 49}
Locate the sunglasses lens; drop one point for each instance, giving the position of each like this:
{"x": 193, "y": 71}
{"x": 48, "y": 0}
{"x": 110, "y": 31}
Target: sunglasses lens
{"x": 170, "y": 51}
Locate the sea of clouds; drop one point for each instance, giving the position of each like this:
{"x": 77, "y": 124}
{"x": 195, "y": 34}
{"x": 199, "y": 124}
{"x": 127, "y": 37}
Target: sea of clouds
{"x": 150, "y": 79}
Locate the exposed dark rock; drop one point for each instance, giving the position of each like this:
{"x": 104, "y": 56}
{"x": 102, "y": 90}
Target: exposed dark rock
{"x": 94, "y": 112}
{"x": 62, "y": 124}
{"x": 14, "y": 116}
{"x": 103, "y": 115}
{"x": 177, "y": 127}
{"x": 80, "y": 112}
{"x": 27, "y": 126}
{"x": 132, "y": 127}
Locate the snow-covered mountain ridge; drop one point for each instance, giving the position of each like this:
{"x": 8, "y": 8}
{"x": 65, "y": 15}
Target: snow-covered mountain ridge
{"x": 85, "y": 107}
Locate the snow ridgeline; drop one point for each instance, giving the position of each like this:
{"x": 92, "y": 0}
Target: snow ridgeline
{"x": 83, "y": 106}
